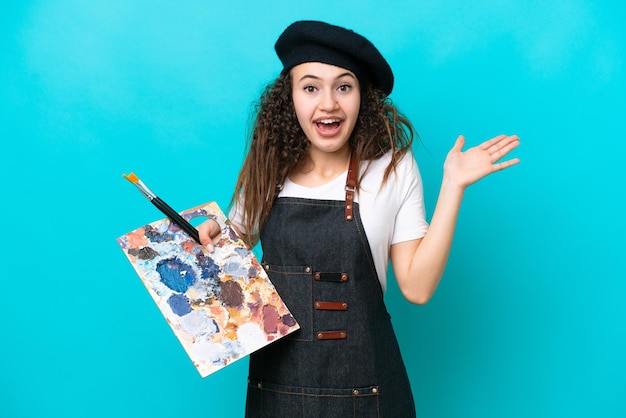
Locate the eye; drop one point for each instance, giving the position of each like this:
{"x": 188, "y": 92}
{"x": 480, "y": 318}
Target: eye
{"x": 344, "y": 88}
{"x": 309, "y": 89}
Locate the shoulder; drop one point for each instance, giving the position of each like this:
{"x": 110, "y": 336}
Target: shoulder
{"x": 405, "y": 166}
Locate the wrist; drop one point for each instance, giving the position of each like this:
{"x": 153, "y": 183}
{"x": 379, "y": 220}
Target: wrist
{"x": 452, "y": 186}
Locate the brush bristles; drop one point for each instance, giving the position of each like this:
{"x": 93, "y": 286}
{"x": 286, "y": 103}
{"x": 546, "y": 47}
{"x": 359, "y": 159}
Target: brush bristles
{"x": 131, "y": 177}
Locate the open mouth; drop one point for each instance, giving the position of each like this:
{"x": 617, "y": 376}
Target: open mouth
{"x": 328, "y": 126}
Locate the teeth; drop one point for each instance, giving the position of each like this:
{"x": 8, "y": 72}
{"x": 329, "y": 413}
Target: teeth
{"x": 328, "y": 121}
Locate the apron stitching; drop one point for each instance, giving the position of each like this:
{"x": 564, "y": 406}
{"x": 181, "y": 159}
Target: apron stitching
{"x": 366, "y": 244}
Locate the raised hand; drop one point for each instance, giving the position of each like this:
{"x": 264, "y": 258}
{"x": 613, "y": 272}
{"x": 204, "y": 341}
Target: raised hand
{"x": 467, "y": 167}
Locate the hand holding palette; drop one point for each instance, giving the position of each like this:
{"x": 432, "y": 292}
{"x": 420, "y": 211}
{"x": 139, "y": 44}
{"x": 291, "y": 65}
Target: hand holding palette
{"x": 221, "y": 305}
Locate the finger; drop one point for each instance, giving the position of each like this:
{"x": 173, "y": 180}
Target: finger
{"x": 459, "y": 144}
{"x": 499, "y": 153}
{"x": 505, "y": 164}
{"x": 503, "y": 142}
{"x": 488, "y": 144}
{"x": 208, "y": 231}
{"x": 205, "y": 238}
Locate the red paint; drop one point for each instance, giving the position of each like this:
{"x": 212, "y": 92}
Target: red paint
{"x": 270, "y": 319}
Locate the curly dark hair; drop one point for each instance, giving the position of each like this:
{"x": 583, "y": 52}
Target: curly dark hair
{"x": 278, "y": 146}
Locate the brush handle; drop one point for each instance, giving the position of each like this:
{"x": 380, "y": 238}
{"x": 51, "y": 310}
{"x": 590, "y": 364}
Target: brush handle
{"x": 176, "y": 218}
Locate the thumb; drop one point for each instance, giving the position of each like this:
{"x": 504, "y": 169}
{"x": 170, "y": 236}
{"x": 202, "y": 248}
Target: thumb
{"x": 208, "y": 232}
{"x": 459, "y": 144}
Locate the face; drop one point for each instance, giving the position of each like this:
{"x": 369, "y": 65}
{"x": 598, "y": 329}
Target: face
{"x": 327, "y": 101}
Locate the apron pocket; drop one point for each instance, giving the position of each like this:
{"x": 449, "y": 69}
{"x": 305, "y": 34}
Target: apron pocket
{"x": 294, "y": 284}
{"x": 273, "y": 400}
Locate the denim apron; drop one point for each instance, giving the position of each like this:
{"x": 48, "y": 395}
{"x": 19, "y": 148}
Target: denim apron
{"x": 345, "y": 360}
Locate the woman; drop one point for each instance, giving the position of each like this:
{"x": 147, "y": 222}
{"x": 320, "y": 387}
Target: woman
{"x": 330, "y": 187}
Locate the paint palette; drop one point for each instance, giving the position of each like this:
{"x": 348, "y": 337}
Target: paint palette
{"x": 221, "y": 305}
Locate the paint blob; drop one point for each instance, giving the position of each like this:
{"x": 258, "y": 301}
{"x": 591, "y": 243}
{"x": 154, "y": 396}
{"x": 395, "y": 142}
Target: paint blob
{"x": 179, "y": 304}
{"x": 231, "y": 294}
{"x": 288, "y": 320}
{"x": 270, "y": 319}
{"x": 198, "y": 325}
{"x": 145, "y": 253}
{"x": 210, "y": 270}
{"x": 175, "y": 274}
{"x": 235, "y": 268}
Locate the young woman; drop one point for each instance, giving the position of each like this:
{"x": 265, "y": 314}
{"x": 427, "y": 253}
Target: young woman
{"x": 331, "y": 188}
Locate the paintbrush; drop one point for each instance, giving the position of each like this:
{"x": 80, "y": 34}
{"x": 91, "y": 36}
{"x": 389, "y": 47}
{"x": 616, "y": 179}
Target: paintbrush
{"x": 163, "y": 207}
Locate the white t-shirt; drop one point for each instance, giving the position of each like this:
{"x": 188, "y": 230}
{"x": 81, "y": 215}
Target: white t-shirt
{"x": 390, "y": 215}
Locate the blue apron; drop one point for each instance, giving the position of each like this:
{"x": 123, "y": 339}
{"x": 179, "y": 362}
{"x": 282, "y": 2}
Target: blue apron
{"x": 345, "y": 360}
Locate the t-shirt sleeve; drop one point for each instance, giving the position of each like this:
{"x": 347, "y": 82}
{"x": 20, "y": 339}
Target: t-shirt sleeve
{"x": 235, "y": 216}
{"x": 410, "y": 220}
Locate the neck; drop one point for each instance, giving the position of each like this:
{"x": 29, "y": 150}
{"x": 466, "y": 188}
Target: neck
{"x": 321, "y": 168}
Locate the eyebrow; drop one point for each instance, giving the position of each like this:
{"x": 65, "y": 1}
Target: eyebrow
{"x": 314, "y": 77}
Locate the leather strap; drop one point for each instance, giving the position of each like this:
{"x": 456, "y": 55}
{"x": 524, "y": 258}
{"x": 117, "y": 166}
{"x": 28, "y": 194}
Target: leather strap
{"x": 350, "y": 184}
{"x": 331, "y": 306}
{"x": 331, "y": 335}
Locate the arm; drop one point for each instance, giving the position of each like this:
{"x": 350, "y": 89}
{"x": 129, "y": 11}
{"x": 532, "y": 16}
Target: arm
{"x": 419, "y": 264}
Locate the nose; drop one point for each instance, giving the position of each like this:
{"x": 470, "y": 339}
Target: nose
{"x": 328, "y": 101}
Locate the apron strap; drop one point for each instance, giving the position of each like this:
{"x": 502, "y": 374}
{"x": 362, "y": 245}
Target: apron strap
{"x": 350, "y": 184}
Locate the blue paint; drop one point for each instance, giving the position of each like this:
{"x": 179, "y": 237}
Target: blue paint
{"x": 234, "y": 347}
{"x": 175, "y": 274}
{"x": 232, "y": 234}
{"x": 288, "y": 320}
{"x": 155, "y": 236}
{"x": 242, "y": 252}
{"x": 234, "y": 268}
{"x": 253, "y": 272}
{"x": 210, "y": 270}
{"x": 145, "y": 253}
{"x": 179, "y": 304}
{"x": 196, "y": 213}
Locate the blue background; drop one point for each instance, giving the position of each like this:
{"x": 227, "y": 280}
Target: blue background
{"x": 530, "y": 318}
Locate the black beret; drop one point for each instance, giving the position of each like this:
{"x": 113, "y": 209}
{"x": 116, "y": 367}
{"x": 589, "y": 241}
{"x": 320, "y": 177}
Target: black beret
{"x": 312, "y": 41}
